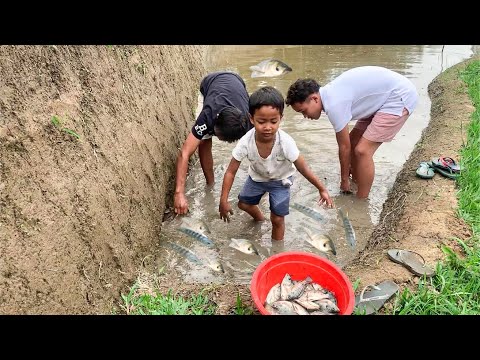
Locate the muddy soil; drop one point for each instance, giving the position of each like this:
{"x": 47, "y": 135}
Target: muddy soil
{"x": 88, "y": 143}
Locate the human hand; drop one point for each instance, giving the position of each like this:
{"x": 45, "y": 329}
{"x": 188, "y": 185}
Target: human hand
{"x": 180, "y": 204}
{"x": 345, "y": 186}
{"x": 325, "y": 199}
{"x": 225, "y": 209}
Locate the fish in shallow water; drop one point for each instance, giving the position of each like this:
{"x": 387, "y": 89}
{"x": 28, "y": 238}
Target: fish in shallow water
{"x": 321, "y": 242}
{"x": 197, "y": 236}
{"x": 314, "y": 214}
{"x": 270, "y": 68}
{"x": 243, "y": 245}
{"x": 349, "y": 232}
{"x": 214, "y": 264}
{"x": 189, "y": 254}
{"x": 195, "y": 224}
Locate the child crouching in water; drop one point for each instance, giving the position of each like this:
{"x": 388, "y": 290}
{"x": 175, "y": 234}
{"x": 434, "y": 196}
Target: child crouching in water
{"x": 273, "y": 156}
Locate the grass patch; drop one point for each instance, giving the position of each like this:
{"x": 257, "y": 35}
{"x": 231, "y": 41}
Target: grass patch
{"x": 469, "y": 180}
{"x": 241, "y": 308}
{"x": 454, "y": 290}
{"x": 136, "y": 303}
{"x": 56, "y": 122}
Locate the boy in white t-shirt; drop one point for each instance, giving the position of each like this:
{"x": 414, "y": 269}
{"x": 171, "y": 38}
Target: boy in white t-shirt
{"x": 381, "y": 100}
{"x": 273, "y": 156}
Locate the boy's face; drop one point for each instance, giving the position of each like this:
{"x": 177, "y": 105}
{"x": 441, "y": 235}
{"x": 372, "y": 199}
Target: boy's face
{"x": 311, "y": 108}
{"x": 266, "y": 121}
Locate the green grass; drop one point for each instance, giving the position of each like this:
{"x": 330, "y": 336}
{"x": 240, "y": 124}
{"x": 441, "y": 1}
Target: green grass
{"x": 469, "y": 180}
{"x": 241, "y": 308}
{"x": 56, "y": 121}
{"x": 135, "y": 303}
{"x": 455, "y": 288}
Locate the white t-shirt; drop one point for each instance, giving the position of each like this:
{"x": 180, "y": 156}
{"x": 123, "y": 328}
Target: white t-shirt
{"x": 277, "y": 166}
{"x": 362, "y": 91}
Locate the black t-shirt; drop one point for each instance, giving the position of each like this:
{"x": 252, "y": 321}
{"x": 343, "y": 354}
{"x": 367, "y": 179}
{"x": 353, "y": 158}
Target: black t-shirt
{"x": 220, "y": 89}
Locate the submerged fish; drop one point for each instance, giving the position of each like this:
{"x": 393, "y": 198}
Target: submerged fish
{"x": 314, "y": 214}
{"x": 198, "y": 236}
{"x": 321, "y": 242}
{"x": 349, "y": 232}
{"x": 243, "y": 245}
{"x": 270, "y": 68}
{"x": 189, "y": 254}
{"x": 214, "y": 264}
{"x": 195, "y": 224}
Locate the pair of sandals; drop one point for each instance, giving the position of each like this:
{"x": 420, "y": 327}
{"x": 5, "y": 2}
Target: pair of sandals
{"x": 373, "y": 297}
{"x": 444, "y": 165}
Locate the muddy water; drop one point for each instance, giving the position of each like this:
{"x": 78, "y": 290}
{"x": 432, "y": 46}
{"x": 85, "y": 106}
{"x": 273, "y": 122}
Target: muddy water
{"x": 316, "y": 141}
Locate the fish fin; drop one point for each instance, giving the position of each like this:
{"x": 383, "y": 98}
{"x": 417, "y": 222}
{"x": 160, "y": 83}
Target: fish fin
{"x": 256, "y": 74}
{"x": 256, "y": 68}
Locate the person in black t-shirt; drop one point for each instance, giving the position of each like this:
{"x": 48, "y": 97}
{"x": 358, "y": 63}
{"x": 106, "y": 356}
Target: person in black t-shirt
{"x": 224, "y": 114}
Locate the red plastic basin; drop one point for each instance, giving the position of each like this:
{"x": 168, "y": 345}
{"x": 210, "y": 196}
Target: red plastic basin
{"x": 300, "y": 265}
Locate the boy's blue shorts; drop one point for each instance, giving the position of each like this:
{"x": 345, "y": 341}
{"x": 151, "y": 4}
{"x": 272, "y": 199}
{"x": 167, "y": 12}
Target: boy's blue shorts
{"x": 279, "y": 194}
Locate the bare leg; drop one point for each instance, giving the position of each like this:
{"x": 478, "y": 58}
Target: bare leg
{"x": 364, "y": 167}
{"x": 206, "y": 160}
{"x": 252, "y": 210}
{"x": 278, "y": 226}
{"x": 355, "y": 136}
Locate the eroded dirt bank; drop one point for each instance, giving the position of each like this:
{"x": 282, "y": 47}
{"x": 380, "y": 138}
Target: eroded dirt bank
{"x": 88, "y": 142}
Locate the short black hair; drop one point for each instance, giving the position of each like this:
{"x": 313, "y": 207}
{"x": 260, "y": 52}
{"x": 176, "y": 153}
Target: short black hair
{"x": 231, "y": 124}
{"x": 266, "y": 96}
{"x": 300, "y": 90}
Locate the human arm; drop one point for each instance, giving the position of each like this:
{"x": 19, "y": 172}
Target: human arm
{"x": 303, "y": 169}
{"x": 188, "y": 148}
{"x": 224, "y": 207}
{"x": 206, "y": 160}
{"x": 344, "y": 153}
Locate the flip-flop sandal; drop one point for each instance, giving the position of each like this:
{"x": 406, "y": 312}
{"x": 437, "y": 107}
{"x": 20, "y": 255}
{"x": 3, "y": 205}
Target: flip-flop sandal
{"x": 410, "y": 260}
{"x": 450, "y": 163}
{"x": 424, "y": 171}
{"x": 447, "y": 173}
{"x": 369, "y": 302}
{"x": 447, "y": 163}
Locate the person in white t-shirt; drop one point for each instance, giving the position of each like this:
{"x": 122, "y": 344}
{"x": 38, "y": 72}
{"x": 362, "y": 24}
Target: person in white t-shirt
{"x": 380, "y": 99}
{"x": 273, "y": 157}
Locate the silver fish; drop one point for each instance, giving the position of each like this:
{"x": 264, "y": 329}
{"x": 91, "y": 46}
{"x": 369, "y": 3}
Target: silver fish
{"x": 326, "y": 305}
{"x": 197, "y": 225}
{"x": 349, "y": 232}
{"x": 298, "y": 289}
{"x": 270, "y": 68}
{"x": 273, "y": 295}
{"x": 309, "y": 305}
{"x": 243, "y": 245}
{"x": 215, "y": 265}
{"x": 189, "y": 254}
{"x": 198, "y": 236}
{"x": 314, "y": 214}
{"x": 288, "y": 308}
{"x": 321, "y": 242}
{"x": 285, "y": 286}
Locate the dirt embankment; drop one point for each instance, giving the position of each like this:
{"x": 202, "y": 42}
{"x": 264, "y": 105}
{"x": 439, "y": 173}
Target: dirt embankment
{"x": 88, "y": 142}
